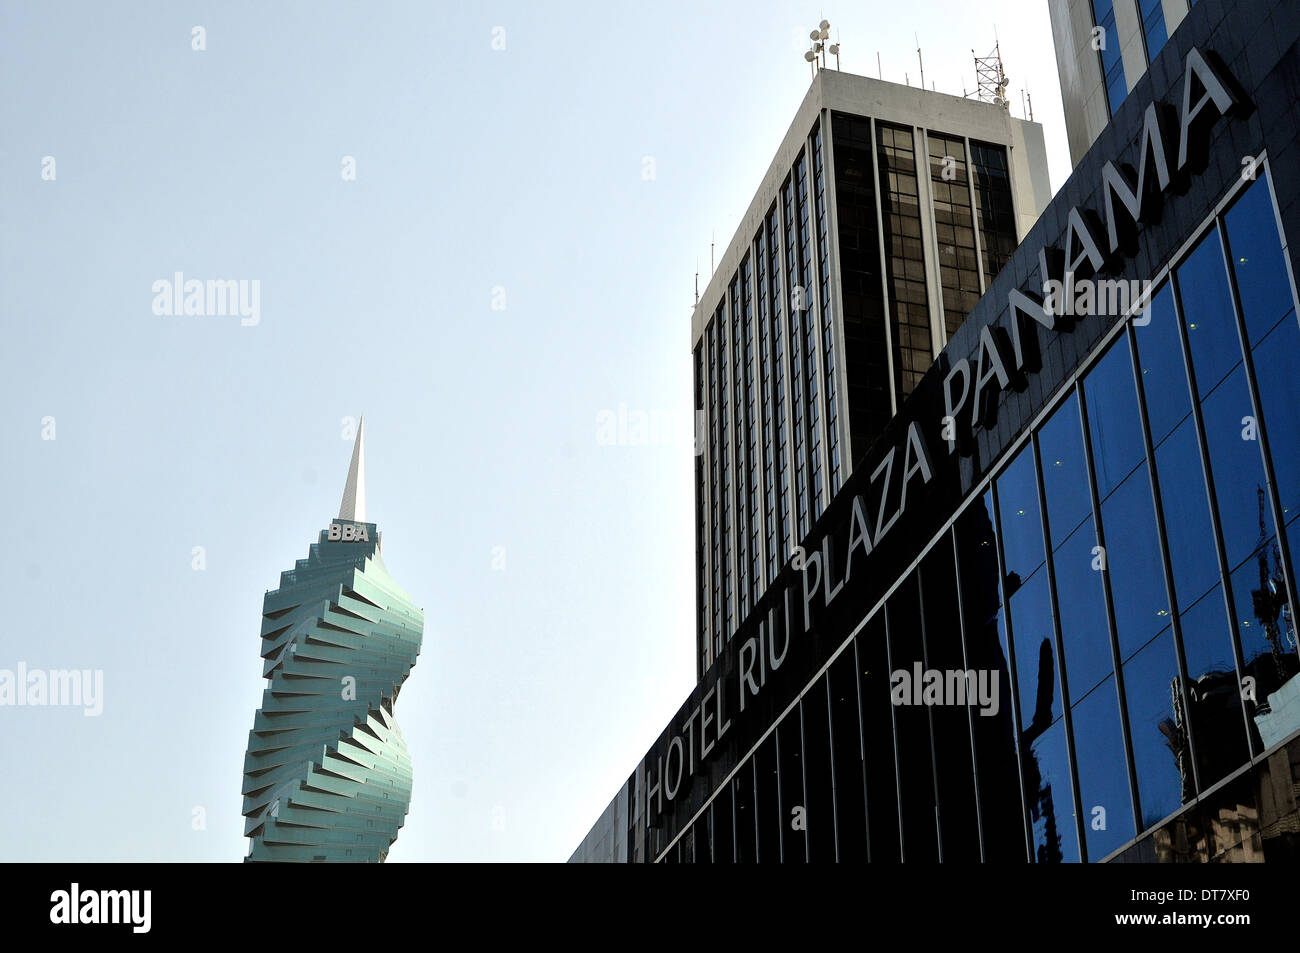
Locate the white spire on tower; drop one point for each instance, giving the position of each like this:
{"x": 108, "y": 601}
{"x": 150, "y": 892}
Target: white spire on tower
{"x": 353, "y": 506}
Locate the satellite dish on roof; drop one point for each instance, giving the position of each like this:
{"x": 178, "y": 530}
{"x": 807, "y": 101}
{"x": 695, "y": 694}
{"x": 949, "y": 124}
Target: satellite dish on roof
{"x": 823, "y": 25}
{"x": 810, "y": 56}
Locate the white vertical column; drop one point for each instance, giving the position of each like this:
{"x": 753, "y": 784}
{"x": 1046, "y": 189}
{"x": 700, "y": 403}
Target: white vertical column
{"x": 728, "y": 376}
{"x": 814, "y": 300}
{"x": 884, "y": 273}
{"x": 790, "y": 528}
{"x": 837, "y": 300}
{"x": 974, "y": 214}
{"x": 758, "y": 540}
{"x": 704, "y": 518}
{"x": 929, "y": 239}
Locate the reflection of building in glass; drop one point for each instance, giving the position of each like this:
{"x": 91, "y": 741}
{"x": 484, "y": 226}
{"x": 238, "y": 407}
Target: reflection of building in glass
{"x": 1105, "y": 512}
{"x": 1278, "y": 714}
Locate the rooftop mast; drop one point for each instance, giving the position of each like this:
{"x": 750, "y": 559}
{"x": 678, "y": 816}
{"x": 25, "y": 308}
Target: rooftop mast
{"x": 353, "y": 506}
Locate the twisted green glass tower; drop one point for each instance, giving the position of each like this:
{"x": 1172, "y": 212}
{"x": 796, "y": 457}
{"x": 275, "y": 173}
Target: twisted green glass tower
{"x": 327, "y": 776}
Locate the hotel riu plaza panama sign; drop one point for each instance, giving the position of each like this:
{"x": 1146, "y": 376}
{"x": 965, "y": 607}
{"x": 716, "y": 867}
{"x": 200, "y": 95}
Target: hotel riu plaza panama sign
{"x": 1171, "y": 148}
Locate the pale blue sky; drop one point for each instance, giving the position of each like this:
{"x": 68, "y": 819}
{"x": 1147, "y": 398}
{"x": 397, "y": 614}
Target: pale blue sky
{"x": 539, "y": 686}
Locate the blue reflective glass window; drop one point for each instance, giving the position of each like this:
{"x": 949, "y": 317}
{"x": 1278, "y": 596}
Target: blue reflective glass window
{"x": 1113, "y": 421}
{"x": 1137, "y": 584}
{"x": 995, "y": 747}
{"x": 1268, "y": 643}
{"x": 986, "y": 650}
{"x": 1213, "y": 693}
{"x": 1081, "y": 602}
{"x": 1207, "y": 641}
{"x": 1116, "y": 85}
{"x": 1103, "y": 772}
{"x": 1293, "y": 541}
{"x": 977, "y": 545}
{"x": 1161, "y": 756}
{"x": 1259, "y": 596}
{"x": 1238, "y": 468}
{"x": 1277, "y": 374}
{"x": 1112, "y": 65}
{"x": 1065, "y": 472}
{"x": 1031, "y": 633}
{"x": 1022, "y": 530}
{"x": 1153, "y": 26}
{"x": 1187, "y": 514}
{"x": 1051, "y": 804}
{"x": 1257, "y": 259}
{"x": 1164, "y": 379}
{"x": 1207, "y": 313}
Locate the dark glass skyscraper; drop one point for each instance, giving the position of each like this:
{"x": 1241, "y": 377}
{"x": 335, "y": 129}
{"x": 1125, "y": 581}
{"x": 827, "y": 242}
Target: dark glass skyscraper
{"x": 886, "y": 213}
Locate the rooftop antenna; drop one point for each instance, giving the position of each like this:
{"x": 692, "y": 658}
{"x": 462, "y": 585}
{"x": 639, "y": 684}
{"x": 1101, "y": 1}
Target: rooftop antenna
{"x": 353, "y": 506}
{"x": 991, "y": 80}
{"x": 880, "y": 73}
{"x": 711, "y": 241}
{"x": 918, "y": 59}
{"x": 697, "y": 282}
{"x": 1030, "y": 97}
{"x": 835, "y": 49}
{"x": 816, "y": 54}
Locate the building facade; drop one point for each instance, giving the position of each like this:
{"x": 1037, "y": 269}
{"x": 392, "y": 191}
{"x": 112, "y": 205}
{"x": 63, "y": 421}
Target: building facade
{"x": 1050, "y": 616}
{"x": 1103, "y": 47}
{"x": 885, "y": 215}
{"x": 327, "y": 776}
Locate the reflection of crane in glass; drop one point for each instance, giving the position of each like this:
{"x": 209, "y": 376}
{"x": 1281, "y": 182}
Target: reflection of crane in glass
{"x": 1269, "y": 601}
{"x": 1276, "y": 708}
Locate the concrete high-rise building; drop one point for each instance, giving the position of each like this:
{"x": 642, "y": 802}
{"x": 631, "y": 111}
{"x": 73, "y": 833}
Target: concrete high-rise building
{"x": 1103, "y": 47}
{"x": 327, "y": 776}
{"x": 885, "y": 214}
